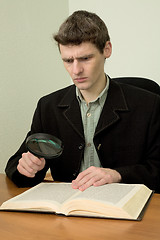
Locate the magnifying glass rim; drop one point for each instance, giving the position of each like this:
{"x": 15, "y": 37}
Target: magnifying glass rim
{"x": 44, "y": 136}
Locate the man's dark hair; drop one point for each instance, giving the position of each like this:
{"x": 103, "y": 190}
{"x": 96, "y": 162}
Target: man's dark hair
{"x": 83, "y": 26}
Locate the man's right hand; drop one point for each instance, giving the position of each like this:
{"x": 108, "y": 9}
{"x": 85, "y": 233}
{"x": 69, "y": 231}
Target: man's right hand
{"x": 29, "y": 164}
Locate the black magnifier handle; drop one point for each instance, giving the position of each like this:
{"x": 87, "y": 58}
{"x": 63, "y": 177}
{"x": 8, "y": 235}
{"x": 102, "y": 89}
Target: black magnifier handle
{"x": 44, "y": 145}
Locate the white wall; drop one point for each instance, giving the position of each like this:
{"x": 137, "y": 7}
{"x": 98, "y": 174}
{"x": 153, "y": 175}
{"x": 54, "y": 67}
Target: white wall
{"x": 30, "y": 65}
{"x": 134, "y": 27}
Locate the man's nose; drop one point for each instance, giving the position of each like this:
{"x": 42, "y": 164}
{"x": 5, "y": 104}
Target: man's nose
{"x": 77, "y": 68}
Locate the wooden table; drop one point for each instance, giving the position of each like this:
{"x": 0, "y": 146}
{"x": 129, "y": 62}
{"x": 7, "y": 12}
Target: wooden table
{"x": 37, "y": 226}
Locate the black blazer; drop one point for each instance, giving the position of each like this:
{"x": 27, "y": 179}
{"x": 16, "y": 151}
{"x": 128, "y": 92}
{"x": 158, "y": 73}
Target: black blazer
{"x": 127, "y": 137}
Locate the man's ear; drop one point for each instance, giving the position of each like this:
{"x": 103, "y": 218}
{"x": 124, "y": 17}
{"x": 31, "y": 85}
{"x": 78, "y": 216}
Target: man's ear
{"x": 108, "y": 49}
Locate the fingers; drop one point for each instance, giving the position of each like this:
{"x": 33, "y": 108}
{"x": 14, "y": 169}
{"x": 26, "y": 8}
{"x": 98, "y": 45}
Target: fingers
{"x": 95, "y": 176}
{"x": 29, "y": 165}
{"x": 86, "y": 178}
{"x": 102, "y": 181}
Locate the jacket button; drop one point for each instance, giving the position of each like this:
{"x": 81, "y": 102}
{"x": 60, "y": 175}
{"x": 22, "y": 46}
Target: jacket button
{"x": 81, "y": 146}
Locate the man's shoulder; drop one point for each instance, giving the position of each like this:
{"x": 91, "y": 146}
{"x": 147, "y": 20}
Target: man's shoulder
{"x": 135, "y": 97}
{"x": 58, "y": 94}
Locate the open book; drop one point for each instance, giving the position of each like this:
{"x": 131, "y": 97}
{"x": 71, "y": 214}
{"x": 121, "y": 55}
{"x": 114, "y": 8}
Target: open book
{"x": 123, "y": 201}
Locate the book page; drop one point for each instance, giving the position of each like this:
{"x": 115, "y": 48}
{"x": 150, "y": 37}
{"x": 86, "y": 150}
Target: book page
{"x": 108, "y": 201}
{"x": 138, "y": 200}
{"x": 44, "y": 192}
{"x": 110, "y": 193}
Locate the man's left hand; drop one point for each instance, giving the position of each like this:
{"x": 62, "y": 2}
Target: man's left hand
{"x": 95, "y": 176}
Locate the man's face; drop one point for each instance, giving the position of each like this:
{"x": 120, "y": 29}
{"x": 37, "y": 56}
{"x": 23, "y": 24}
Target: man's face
{"x": 85, "y": 64}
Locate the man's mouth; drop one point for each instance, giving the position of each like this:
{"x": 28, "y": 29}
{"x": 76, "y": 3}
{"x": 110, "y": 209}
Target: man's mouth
{"x": 80, "y": 79}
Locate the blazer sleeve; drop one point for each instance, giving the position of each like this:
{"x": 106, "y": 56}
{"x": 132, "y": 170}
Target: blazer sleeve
{"x": 11, "y": 167}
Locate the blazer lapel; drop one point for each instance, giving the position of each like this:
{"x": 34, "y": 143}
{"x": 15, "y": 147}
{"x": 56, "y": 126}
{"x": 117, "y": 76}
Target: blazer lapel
{"x": 71, "y": 111}
{"x": 114, "y": 103}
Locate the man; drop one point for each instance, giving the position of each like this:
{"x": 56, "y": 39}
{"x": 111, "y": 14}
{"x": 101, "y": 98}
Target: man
{"x": 110, "y": 131}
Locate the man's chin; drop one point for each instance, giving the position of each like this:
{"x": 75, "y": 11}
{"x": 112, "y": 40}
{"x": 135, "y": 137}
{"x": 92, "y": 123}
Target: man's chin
{"x": 81, "y": 86}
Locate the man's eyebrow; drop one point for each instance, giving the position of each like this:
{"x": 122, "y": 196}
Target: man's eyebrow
{"x": 66, "y": 59}
{"x": 78, "y": 58}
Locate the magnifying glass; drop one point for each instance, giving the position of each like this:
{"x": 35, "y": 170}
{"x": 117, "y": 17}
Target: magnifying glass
{"x": 44, "y": 145}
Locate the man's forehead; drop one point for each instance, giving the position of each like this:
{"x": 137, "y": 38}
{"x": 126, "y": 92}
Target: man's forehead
{"x": 76, "y": 51}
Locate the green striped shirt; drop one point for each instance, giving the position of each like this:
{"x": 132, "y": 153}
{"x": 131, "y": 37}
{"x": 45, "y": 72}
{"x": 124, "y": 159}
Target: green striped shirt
{"x": 90, "y": 115}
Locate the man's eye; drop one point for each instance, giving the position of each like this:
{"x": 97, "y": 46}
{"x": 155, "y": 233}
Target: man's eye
{"x": 85, "y": 59}
{"x": 68, "y": 60}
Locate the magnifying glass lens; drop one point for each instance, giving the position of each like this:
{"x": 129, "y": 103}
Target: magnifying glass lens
{"x": 44, "y": 145}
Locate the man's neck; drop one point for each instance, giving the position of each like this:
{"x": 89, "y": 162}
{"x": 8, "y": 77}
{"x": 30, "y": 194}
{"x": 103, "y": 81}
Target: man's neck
{"x": 92, "y": 94}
